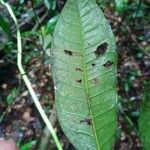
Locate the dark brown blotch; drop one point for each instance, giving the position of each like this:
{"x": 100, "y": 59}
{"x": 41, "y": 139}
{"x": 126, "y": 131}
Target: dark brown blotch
{"x": 88, "y": 121}
{"x": 79, "y": 81}
{"x": 108, "y": 64}
{"x": 101, "y": 49}
{"x": 79, "y": 69}
{"x": 68, "y": 52}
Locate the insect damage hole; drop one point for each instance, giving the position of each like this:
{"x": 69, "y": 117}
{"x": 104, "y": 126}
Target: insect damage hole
{"x": 79, "y": 81}
{"x": 101, "y": 49}
{"x": 93, "y": 64}
{"x": 88, "y": 121}
{"x": 108, "y": 64}
{"x": 79, "y": 69}
{"x": 68, "y": 52}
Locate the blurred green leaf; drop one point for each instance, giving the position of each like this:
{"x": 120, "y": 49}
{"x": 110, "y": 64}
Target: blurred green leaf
{"x": 11, "y": 96}
{"x": 47, "y": 3}
{"x": 47, "y": 30}
{"x": 50, "y": 4}
{"x": 104, "y": 3}
{"x": 28, "y": 56}
{"x": 5, "y": 35}
{"x": 126, "y": 86}
{"x": 22, "y": 1}
{"x": 44, "y": 39}
{"x": 51, "y": 24}
{"x": 135, "y": 114}
{"x": 119, "y": 6}
{"x": 28, "y": 145}
{"x": 5, "y": 26}
{"x": 144, "y": 119}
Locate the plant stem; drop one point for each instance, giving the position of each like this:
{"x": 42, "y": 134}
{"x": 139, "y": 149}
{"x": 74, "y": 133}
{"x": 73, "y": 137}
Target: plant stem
{"x": 44, "y": 142}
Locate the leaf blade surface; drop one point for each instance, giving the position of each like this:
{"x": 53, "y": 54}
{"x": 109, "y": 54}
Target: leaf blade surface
{"x": 84, "y": 71}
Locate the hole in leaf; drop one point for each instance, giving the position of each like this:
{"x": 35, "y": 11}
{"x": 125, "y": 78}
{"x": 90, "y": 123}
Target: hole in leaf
{"x": 93, "y": 64}
{"x": 87, "y": 121}
{"x": 79, "y": 81}
{"x": 68, "y": 52}
{"x": 101, "y": 49}
{"x": 108, "y": 64}
{"x": 78, "y": 69}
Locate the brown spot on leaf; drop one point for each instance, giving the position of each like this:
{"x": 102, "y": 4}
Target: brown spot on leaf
{"x": 108, "y": 64}
{"x": 96, "y": 81}
{"x": 68, "y": 52}
{"x": 88, "y": 121}
{"x": 79, "y": 81}
{"x": 101, "y": 49}
{"x": 79, "y": 69}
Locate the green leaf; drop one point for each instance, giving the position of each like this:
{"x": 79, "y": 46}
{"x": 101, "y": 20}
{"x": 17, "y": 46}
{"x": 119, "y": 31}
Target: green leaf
{"x": 52, "y": 23}
{"x": 84, "y": 72}
{"x": 47, "y": 4}
{"x": 28, "y": 145}
{"x": 4, "y": 25}
{"x": 119, "y": 6}
{"x": 50, "y": 4}
{"x": 144, "y": 121}
{"x": 11, "y": 96}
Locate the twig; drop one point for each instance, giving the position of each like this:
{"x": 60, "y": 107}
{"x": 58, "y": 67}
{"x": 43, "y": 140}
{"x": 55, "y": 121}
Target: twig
{"x": 113, "y": 18}
{"x": 43, "y": 144}
{"x": 26, "y": 80}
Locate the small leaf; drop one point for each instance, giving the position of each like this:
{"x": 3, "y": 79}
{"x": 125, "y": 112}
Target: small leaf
{"x": 5, "y": 26}
{"x": 84, "y": 72}
{"x": 28, "y": 145}
{"x": 52, "y": 23}
{"x": 11, "y": 96}
{"x": 119, "y": 6}
{"x": 47, "y": 4}
{"x": 50, "y": 4}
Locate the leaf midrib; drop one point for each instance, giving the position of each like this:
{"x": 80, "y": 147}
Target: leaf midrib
{"x": 85, "y": 77}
